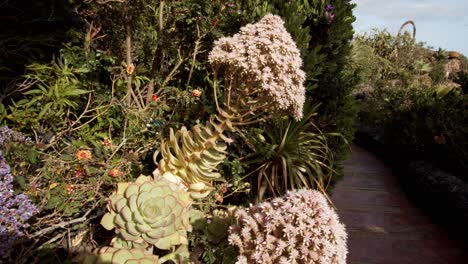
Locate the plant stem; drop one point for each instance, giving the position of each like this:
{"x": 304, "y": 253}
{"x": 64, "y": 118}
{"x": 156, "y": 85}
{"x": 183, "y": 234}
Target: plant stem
{"x": 128, "y": 51}
{"x": 215, "y": 88}
{"x": 194, "y": 56}
{"x": 161, "y": 15}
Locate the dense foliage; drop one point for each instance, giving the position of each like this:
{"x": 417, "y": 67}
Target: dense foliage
{"x": 127, "y": 82}
{"x": 30, "y": 32}
{"x": 410, "y": 100}
{"x": 331, "y": 33}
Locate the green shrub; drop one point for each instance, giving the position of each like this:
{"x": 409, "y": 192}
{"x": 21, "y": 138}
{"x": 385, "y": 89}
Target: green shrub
{"x": 462, "y": 80}
{"x": 423, "y": 122}
{"x": 332, "y": 84}
{"x": 438, "y": 71}
{"x": 396, "y": 61}
{"x": 410, "y": 100}
{"x": 32, "y": 32}
{"x": 435, "y": 126}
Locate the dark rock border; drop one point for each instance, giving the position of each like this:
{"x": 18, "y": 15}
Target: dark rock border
{"x": 440, "y": 194}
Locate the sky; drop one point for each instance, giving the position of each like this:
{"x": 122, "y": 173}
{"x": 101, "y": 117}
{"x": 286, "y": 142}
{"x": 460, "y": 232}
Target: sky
{"x": 439, "y": 23}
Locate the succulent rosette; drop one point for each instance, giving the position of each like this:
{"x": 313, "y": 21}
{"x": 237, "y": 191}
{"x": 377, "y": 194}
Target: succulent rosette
{"x": 119, "y": 242}
{"x": 110, "y": 255}
{"x": 155, "y": 212}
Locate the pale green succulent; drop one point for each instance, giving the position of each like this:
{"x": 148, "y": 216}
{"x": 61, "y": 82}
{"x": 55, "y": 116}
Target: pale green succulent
{"x": 193, "y": 155}
{"x": 110, "y": 255}
{"x": 155, "y": 212}
{"x": 119, "y": 242}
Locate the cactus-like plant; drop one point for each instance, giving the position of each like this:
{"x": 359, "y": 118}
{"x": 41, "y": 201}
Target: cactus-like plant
{"x": 299, "y": 227}
{"x": 111, "y": 255}
{"x": 193, "y": 155}
{"x": 155, "y": 212}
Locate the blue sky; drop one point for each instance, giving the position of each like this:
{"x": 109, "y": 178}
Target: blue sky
{"x": 439, "y": 23}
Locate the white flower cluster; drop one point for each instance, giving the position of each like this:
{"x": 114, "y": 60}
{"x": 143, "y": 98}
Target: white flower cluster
{"x": 299, "y": 227}
{"x": 265, "y": 57}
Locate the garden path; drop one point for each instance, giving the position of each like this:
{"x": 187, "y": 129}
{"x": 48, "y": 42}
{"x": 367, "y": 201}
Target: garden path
{"x": 382, "y": 225}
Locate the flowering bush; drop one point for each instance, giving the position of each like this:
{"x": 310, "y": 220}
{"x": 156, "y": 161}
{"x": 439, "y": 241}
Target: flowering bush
{"x": 15, "y": 209}
{"x": 264, "y": 58}
{"x": 300, "y": 227}
{"x": 155, "y": 210}
{"x": 407, "y": 103}
{"x": 8, "y": 135}
{"x": 109, "y": 100}
{"x": 329, "y": 80}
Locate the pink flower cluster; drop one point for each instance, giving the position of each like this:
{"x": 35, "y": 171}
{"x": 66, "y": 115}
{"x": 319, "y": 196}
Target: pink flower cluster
{"x": 299, "y": 227}
{"x": 264, "y": 57}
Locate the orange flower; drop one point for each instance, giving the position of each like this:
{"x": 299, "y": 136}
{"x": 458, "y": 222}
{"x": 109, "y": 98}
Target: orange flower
{"x": 70, "y": 188}
{"x": 196, "y": 93}
{"x": 107, "y": 142}
{"x": 154, "y": 98}
{"x": 219, "y": 198}
{"x": 78, "y": 173}
{"x": 439, "y": 139}
{"x": 223, "y": 188}
{"x": 83, "y": 155}
{"x": 115, "y": 173}
{"x": 130, "y": 68}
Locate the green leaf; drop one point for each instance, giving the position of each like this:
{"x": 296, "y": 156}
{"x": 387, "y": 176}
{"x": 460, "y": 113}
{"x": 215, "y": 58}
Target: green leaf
{"x": 53, "y": 202}
{"x": 92, "y": 170}
{"x": 21, "y": 181}
{"x": 75, "y": 92}
{"x": 34, "y": 100}
{"x": 56, "y": 91}
{"x": 107, "y": 221}
{"x": 45, "y": 110}
{"x": 35, "y": 91}
{"x": 32, "y": 155}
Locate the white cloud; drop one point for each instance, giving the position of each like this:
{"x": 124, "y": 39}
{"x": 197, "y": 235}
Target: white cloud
{"x": 417, "y": 10}
{"x": 440, "y": 23}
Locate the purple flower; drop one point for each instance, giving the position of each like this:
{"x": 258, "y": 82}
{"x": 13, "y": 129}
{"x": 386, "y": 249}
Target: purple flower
{"x": 329, "y": 14}
{"x": 330, "y": 17}
{"x": 15, "y": 209}
{"x": 7, "y": 135}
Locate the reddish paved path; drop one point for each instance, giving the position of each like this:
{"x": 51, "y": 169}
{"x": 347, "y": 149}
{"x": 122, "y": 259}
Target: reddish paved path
{"x": 383, "y": 226}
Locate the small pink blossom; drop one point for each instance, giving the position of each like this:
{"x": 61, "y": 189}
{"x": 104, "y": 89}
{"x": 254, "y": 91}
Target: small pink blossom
{"x": 272, "y": 232}
{"x": 263, "y": 59}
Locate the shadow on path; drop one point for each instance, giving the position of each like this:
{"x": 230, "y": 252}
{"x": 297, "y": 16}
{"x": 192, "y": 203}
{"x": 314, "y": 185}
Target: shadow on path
{"x": 383, "y": 226}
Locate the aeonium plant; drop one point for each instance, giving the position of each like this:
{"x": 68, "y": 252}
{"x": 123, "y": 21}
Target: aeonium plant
{"x": 146, "y": 214}
{"x": 261, "y": 66}
{"x": 261, "y": 71}
{"x": 155, "y": 212}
